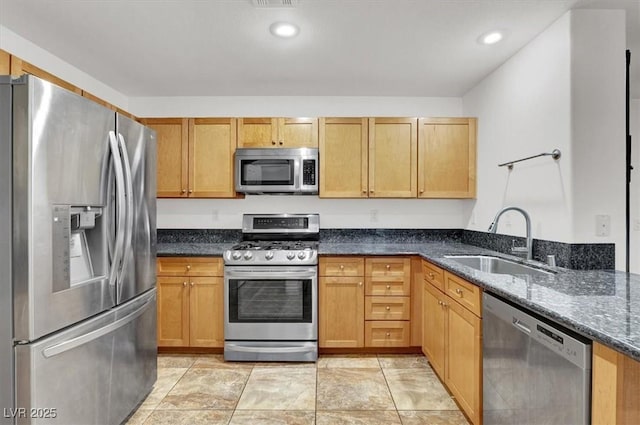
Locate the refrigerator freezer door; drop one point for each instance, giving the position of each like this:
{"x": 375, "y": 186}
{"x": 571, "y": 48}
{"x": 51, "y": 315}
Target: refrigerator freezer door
{"x": 6, "y": 301}
{"x": 139, "y": 262}
{"x": 94, "y": 373}
{"x": 60, "y": 173}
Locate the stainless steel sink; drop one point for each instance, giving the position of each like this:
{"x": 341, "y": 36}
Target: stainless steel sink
{"x": 497, "y": 265}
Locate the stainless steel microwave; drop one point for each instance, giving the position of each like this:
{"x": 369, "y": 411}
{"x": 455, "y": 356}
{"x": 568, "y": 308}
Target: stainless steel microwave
{"x": 268, "y": 170}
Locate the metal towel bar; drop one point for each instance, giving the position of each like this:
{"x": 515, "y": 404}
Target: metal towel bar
{"x": 555, "y": 154}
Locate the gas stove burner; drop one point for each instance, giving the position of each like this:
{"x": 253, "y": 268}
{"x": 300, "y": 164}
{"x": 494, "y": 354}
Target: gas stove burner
{"x": 276, "y": 239}
{"x": 274, "y": 246}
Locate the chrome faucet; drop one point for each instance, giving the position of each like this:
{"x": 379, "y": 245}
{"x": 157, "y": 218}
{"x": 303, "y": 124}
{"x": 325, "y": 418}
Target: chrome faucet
{"x": 515, "y": 250}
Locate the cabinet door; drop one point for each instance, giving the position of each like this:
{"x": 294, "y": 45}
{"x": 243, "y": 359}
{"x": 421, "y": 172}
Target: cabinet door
{"x": 173, "y": 156}
{"x": 19, "y": 67}
{"x": 447, "y": 158}
{"x": 341, "y": 312}
{"x": 344, "y": 158}
{"x": 298, "y": 132}
{"x": 173, "y": 312}
{"x": 257, "y": 132}
{"x": 393, "y": 149}
{"x": 615, "y": 387}
{"x": 463, "y": 364}
{"x": 212, "y": 143}
{"x": 5, "y": 63}
{"x": 434, "y": 340}
{"x": 206, "y": 312}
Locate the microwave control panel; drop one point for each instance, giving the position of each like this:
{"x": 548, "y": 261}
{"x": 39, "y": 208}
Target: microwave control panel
{"x": 309, "y": 172}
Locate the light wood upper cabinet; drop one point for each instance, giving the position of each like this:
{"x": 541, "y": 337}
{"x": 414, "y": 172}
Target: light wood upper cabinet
{"x": 5, "y": 63}
{"x": 344, "y": 158}
{"x": 19, "y": 67}
{"x": 172, "y": 155}
{"x": 195, "y": 156}
{"x": 278, "y": 132}
{"x": 393, "y": 150}
{"x": 447, "y": 158}
{"x": 212, "y": 144}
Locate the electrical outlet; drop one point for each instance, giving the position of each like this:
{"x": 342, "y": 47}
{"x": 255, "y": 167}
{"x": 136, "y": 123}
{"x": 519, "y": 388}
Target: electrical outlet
{"x": 214, "y": 215}
{"x": 636, "y": 224}
{"x": 473, "y": 217}
{"x": 603, "y": 225}
{"x": 374, "y": 216}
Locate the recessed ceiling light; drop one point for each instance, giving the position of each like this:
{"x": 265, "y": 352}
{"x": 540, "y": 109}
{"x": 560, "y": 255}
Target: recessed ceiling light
{"x": 284, "y": 29}
{"x": 491, "y": 37}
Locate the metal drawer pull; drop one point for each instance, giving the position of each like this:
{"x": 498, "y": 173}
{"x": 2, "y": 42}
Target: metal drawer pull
{"x": 459, "y": 291}
{"x": 388, "y": 334}
{"x": 388, "y": 267}
{"x": 341, "y": 267}
{"x": 388, "y": 308}
{"x": 388, "y": 286}
{"x": 184, "y": 284}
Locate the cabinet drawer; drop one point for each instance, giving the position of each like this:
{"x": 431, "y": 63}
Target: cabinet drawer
{"x": 388, "y": 267}
{"x": 433, "y": 274}
{"x": 464, "y": 293}
{"x": 387, "y": 308}
{"x": 341, "y": 266}
{"x": 387, "y": 287}
{"x": 387, "y": 334}
{"x": 189, "y": 266}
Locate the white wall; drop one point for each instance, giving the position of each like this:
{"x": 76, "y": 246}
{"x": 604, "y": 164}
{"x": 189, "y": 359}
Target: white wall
{"x": 598, "y": 44}
{"x": 563, "y": 90}
{"x": 334, "y": 213}
{"x": 523, "y": 109}
{"x": 26, "y": 50}
{"x": 634, "y": 259}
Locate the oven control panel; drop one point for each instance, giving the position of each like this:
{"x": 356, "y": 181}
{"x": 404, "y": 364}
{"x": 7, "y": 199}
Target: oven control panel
{"x": 265, "y": 257}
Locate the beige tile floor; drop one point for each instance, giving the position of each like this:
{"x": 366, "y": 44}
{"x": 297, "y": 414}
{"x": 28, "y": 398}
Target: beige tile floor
{"x": 383, "y": 389}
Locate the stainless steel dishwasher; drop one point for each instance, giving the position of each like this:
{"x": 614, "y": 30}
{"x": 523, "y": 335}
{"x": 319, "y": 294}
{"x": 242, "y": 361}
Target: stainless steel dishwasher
{"x": 534, "y": 372}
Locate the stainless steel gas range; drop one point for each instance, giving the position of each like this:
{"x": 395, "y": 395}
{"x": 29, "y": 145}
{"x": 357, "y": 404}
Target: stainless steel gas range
{"x": 271, "y": 289}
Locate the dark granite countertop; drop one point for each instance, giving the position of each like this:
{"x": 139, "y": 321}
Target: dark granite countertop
{"x": 603, "y": 305}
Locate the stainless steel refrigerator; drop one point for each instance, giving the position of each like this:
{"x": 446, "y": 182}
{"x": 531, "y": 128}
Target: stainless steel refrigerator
{"x": 77, "y": 258}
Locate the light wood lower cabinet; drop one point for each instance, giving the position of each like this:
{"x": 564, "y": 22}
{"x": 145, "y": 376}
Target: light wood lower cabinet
{"x": 452, "y": 338}
{"x": 190, "y": 302}
{"x": 615, "y": 388}
{"x": 341, "y": 302}
{"x": 364, "y": 302}
{"x": 341, "y": 312}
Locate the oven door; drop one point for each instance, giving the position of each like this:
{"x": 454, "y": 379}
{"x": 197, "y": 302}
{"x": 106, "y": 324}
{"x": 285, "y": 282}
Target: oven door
{"x": 271, "y": 303}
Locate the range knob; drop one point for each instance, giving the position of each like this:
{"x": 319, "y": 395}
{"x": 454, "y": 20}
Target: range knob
{"x": 236, "y": 255}
{"x": 268, "y": 255}
{"x": 291, "y": 255}
{"x": 302, "y": 254}
{"x": 248, "y": 255}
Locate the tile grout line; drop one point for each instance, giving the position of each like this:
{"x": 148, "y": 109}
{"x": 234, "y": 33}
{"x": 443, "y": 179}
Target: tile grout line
{"x": 388, "y": 388}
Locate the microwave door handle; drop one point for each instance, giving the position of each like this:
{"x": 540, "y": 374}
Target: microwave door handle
{"x": 297, "y": 173}
{"x": 128, "y": 187}
{"x": 120, "y": 209}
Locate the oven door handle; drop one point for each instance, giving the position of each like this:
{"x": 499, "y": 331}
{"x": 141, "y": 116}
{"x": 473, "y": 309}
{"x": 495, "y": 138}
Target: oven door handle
{"x": 271, "y": 273}
{"x": 269, "y": 349}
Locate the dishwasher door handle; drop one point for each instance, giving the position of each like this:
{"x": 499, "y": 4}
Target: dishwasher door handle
{"x": 522, "y": 326}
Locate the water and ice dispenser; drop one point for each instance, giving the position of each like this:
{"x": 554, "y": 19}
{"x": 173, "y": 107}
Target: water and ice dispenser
{"x": 79, "y": 245}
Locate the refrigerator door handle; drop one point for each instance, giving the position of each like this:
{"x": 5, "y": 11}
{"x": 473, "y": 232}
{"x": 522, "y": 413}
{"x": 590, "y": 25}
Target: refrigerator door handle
{"x": 120, "y": 203}
{"x": 128, "y": 187}
{"x": 60, "y": 348}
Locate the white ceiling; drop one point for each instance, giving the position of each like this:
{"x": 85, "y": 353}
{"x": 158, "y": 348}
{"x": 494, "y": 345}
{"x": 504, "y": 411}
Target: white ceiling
{"x": 345, "y": 47}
